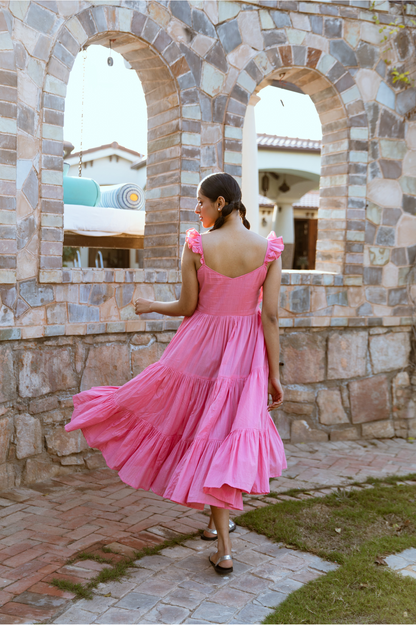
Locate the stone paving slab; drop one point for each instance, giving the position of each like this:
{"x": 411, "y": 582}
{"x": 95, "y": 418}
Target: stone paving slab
{"x": 404, "y": 562}
{"x": 167, "y": 590}
{"x": 44, "y": 525}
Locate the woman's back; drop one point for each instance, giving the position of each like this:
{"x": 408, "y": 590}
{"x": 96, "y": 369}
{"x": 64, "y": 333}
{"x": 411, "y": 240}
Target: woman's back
{"x": 233, "y": 251}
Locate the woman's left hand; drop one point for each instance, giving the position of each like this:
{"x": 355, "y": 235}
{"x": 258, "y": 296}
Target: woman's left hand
{"x": 142, "y": 306}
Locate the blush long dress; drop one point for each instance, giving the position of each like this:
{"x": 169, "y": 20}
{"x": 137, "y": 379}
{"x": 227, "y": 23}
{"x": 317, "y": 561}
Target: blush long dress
{"x": 194, "y": 426}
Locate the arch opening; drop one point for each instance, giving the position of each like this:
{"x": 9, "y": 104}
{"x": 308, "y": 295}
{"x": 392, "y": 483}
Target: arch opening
{"x": 343, "y": 175}
{"x": 160, "y": 66}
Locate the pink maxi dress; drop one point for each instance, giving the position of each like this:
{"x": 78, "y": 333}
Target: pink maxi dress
{"x": 194, "y": 427}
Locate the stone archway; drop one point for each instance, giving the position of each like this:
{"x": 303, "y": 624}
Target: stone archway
{"x": 161, "y": 68}
{"x": 340, "y": 244}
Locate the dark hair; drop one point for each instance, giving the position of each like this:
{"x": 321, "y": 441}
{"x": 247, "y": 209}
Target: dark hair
{"x": 224, "y": 185}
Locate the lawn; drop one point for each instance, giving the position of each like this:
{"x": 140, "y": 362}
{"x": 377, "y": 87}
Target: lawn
{"x": 356, "y": 529}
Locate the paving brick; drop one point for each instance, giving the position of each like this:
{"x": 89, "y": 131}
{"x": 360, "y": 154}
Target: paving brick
{"x": 27, "y": 611}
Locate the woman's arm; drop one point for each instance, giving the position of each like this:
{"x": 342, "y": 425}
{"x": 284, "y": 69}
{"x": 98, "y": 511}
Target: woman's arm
{"x": 270, "y": 321}
{"x": 186, "y": 304}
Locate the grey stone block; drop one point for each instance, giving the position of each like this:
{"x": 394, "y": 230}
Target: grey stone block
{"x": 391, "y": 169}
{"x": 373, "y": 275}
{"x": 82, "y": 314}
{"x": 282, "y": 20}
{"x": 67, "y": 40}
{"x": 398, "y": 297}
{"x": 343, "y": 52}
{"x": 84, "y": 293}
{"x": 8, "y": 296}
{"x": 185, "y": 598}
{"x": 150, "y": 30}
{"x": 61, "y": 53}
{"x": 399, "y": 258}
{"x": 181, "y": 10}
{"x": 100, "y": 293}
{"x": 374, "y": 171}
{"x": 332, "y": 28}
{"x": 40, "y": 19}
{"x": 406, "y": 101}
{"x": 365, "y": 310}
{"x": 25, "y": 231}
{"x": 87, "y": 22}
{"x": 214, "y": 612}
{"x": 42, "y": 48}
{"x": 376, "y": 295}
{"x": 336, "y": 71}
{"x": 206, "y": 107}
{"x": 271, "y": 599}
{"x": 124, "y": 294}
{"x": 337, "y": 299}
{"x": 77, "y": 615}
{"x": 187, "y": 81}
{"x": 391, "y": 126}
{"x": 300, "y": 299}
{"x": 137, "y": 601}
{"x": 26, "y": 119}
{"x": 251, "y": 613}
{"x": 409, "y": 204}
{"x": 367, "y": 55}
{"x": 229, "y": 35}
{"x": 299, "y": 55}
{"x": 218, "y": 109}
{"x": 286, "y": 585}
{"x": 201, "y": 24}
{"x": 386, "y": 236}
{"x": 31, "y": 188}
{"x": 274, "y": 37}
{"x": 194, "y": 62}
{"x": 167, "y": 614}
{"x": 115, "y": 616}
{"x": 35, "y": 294}
{"x": 316, "y": 24}
{"x": 391, "y": 216}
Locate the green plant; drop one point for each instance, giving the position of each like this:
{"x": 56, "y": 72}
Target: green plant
{"x": 390, "y": 31}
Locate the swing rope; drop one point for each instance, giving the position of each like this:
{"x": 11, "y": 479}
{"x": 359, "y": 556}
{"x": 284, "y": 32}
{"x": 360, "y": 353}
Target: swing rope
{"x": 84, "y": 54}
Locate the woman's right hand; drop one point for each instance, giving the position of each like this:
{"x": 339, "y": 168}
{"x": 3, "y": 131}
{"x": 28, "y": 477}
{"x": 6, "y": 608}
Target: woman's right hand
{"x": 276, "y": 391}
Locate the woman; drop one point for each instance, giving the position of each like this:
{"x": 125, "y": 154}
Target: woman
{"x": 194, "y": 427}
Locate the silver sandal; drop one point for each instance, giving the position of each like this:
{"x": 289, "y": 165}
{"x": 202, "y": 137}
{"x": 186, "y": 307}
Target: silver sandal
{"x": 231, "y": 526}
{"x": 220, "y": 569}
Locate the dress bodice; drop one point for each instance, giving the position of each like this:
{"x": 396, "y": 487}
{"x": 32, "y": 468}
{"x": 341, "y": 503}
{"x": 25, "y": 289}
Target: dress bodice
{"x": 222, "y": 295}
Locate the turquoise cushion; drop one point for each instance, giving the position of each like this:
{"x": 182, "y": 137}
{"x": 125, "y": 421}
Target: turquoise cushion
{"x": 83, "y": 191}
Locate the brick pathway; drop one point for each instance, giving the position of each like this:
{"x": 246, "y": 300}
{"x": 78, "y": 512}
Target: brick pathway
{"x": 41, "y": 527}
{"x": 180, "y": 586}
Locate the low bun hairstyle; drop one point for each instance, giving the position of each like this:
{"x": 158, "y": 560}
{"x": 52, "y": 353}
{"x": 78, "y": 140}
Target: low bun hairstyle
{"x": 224, "y": 185}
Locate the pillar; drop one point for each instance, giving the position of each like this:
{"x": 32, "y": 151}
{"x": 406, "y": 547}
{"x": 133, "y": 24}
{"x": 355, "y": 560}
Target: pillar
{"x": 284, "y": 226}
{"x": 250, "y": 174}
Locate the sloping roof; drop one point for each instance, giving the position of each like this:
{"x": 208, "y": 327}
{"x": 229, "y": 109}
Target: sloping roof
{"x": 114, "y": 145}
{"x": 265, "y": 201}
{"x": 309, "y": 200}
{"x": 273, "y": 142}
{"x": 140, "y": 162}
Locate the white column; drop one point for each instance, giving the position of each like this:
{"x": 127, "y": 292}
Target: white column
{"x": 283, "y": 222}
{"x": 250, "y": 171}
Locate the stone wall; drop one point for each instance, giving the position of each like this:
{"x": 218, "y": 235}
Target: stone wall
{"x": 339, "y": 385}
{"x": 200, "y": 63}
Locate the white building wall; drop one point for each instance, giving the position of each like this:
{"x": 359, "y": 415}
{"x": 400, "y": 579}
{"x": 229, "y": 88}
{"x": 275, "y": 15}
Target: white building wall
{"x": 107, "y": 173}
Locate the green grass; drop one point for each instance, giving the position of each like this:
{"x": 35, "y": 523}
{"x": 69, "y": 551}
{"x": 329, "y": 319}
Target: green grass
{"x": 116, "y": 570}
{"x": 354, "y": 529}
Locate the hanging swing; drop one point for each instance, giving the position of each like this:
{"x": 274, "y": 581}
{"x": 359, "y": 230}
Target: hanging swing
{"x": 86, "y": 205}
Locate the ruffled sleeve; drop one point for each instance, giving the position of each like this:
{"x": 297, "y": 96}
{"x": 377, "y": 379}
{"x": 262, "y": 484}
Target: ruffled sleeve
{"x": 275, "y": 247}
{"x": 193, "y": 240}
